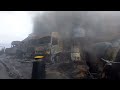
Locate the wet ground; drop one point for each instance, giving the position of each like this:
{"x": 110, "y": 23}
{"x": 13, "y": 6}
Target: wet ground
{"x": 3, "y": 72}
{"x": 12, "y": 68}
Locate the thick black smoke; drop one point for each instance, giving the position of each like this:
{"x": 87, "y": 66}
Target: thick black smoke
{"x": 95, "y": 26}
{"x": 98, "y": 26}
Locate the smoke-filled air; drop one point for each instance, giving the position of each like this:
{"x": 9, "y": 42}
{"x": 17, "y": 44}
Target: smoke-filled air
{"x": 97, "y": 25}
{"x": 60, "y": 45}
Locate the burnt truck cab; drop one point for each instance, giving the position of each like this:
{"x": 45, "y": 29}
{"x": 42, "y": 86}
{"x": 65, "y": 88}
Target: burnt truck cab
{"x": 38, "y": 70}
{"x": 41, "y": 51}
{"x": 39, "y": 55}
{"x": 111, "y": 70}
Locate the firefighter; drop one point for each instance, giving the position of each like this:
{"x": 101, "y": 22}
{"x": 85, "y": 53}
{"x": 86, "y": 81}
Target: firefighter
{"x": 38, "y": 70}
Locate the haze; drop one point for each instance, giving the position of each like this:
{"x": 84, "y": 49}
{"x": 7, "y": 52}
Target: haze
{"x": 17, "y": 25}
{"x": 14, "y": 25}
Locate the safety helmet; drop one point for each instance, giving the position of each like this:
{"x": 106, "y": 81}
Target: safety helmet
{"x": 38, "y": 57}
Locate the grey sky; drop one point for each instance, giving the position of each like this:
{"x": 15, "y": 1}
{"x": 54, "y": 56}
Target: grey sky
{"x": 17, "y": 25}
{"x": 14, "y": 25}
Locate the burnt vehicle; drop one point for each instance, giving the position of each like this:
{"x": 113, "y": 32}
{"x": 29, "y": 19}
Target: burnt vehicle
{"x": 111, "y": 70}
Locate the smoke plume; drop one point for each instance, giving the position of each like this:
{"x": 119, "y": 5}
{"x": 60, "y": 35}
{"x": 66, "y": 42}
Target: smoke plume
{"x": 97, "y": 25}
